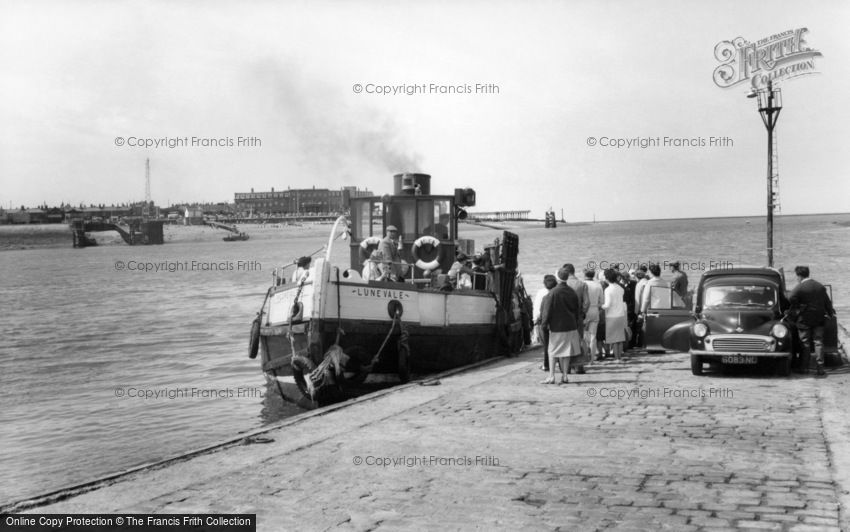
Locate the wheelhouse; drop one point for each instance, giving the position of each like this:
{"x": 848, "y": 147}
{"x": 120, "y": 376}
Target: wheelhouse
{"x": 416, "y": 213}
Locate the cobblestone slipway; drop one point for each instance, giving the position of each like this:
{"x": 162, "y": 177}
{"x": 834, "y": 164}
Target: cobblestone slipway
{"x": 639, "y": 446}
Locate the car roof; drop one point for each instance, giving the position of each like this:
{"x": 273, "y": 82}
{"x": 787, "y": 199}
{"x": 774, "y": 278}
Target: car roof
{"x": 744, "y": 275}
{"x": 741, "y": 280}
{"x": 752, "y": 271}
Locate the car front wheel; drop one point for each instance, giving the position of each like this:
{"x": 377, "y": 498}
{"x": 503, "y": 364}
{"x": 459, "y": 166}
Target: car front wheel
{"x": 696, "y": 365}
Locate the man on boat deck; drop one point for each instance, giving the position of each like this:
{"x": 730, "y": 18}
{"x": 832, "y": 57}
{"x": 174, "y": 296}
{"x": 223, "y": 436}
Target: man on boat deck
{"x": 460, "y": 273}
{"x": 391, "y": 256}
{"x": 440, "y": 229}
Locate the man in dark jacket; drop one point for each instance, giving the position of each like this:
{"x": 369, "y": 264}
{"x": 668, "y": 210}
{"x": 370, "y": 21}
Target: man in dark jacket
{"x": 811, "y": 305}
{"x": 679, "y": 283}
{"x": 580, "y": 289}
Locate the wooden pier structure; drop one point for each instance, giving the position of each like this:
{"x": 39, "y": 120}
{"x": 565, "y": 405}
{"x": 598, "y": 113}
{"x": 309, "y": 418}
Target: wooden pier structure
{"x": 138, "y": 232}
{"x": 500, "y": 216}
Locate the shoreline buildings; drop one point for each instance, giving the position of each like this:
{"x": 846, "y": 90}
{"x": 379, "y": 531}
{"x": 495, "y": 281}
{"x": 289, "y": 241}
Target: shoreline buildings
{"x": 282, "y": 203}
{"x": 297, "y": 201}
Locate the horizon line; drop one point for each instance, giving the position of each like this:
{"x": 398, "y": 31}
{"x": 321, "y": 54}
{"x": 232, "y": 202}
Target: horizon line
{"x": 710, "y": 217}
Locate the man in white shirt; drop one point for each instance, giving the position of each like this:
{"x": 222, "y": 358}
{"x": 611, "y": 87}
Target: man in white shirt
{"x": 642, "y": 279}
{"x": 655, "y": 280}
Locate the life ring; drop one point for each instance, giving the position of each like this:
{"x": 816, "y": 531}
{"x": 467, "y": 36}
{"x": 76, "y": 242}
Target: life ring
{"x": 301, "y": 369}
{"x": 254, "y": 341}
{"x": 368, "y": 246}
{"x": 421, "y": 264}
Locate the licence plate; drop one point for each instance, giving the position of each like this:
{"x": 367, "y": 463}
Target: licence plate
{"x": 739, "y": 359}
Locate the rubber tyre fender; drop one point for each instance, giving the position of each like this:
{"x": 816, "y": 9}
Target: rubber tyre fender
{"x": 302, "y": 366}
{"x": 254, "y": 340}
{"x": 356, "y": 355}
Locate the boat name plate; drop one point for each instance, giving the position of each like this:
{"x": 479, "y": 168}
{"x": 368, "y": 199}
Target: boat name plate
{"x": 380, "y": 293}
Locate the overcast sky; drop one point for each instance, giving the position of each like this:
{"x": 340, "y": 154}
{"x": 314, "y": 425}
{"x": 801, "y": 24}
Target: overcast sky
{"x": 76, "y": 75}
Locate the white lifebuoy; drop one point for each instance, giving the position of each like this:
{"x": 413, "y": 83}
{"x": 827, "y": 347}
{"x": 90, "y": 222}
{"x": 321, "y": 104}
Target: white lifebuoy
{"x": 421, "y": 264}
{"x": 372, "y": 242}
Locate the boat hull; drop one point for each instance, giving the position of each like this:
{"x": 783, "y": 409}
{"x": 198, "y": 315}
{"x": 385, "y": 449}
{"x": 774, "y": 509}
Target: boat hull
{"x": 382, "y": 328}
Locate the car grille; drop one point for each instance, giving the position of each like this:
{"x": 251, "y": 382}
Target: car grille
{"x": 741, "y": 344}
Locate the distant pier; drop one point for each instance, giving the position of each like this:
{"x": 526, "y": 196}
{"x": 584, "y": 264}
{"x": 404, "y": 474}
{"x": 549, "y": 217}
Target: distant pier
{"x": 139, "y": 232}
{"x": 500, "y": 216}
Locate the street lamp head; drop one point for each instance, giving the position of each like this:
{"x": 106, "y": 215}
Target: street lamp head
{"x": 764, "y": 99}
{"x": 777, "y": 98}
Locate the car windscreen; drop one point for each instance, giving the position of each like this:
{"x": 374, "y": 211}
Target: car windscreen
{"x": 739, "y": 296}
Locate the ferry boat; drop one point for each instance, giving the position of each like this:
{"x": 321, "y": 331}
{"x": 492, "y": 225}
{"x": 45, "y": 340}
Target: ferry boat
{"x": 332, "y": 329}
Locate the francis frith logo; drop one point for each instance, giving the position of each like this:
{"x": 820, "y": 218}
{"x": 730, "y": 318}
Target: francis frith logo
{"x": 776, "y": 58}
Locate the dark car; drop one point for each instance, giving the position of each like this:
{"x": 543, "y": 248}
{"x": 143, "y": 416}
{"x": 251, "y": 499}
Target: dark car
{"x": 738, "y": 318}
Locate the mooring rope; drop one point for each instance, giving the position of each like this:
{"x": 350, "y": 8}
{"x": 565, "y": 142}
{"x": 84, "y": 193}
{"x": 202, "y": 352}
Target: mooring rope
{"x": 384, "y": 344}
{"x": 339, "y": 330}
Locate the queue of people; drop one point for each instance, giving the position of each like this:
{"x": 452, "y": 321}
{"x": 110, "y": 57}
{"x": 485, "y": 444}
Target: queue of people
{"x": 581, "y": 321}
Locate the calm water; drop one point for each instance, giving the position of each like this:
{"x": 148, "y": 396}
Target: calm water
{"x": 76, "y": 332}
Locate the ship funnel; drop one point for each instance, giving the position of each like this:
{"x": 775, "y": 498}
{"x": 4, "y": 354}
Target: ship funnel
{"x": 407, "y": 184}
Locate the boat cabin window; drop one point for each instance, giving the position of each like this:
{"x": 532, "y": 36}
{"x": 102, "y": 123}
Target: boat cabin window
{"x": 365, "y": 215}
{"x": 418, "y": 217}
{"x": 435, "y": 219}
{"x": 402, "y": 214}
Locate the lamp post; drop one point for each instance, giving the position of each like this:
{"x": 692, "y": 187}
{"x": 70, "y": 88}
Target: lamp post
{"x": 770, "y": 103}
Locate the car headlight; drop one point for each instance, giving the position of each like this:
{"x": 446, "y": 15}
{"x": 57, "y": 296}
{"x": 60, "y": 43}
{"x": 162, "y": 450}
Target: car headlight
{"x": 779, "y": 331}
{"x": 701, "y": 330}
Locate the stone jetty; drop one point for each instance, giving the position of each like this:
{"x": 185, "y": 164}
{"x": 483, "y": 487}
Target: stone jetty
{"x": 643, "y": 445}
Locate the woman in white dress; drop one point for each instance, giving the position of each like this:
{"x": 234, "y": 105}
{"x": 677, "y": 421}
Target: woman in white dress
{"x": 615, "y": 314}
